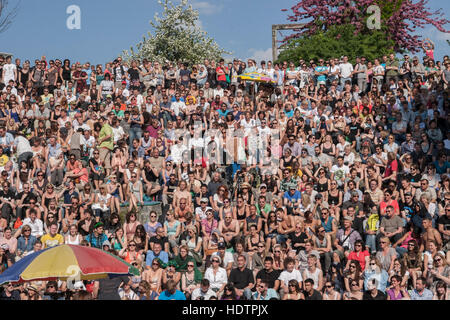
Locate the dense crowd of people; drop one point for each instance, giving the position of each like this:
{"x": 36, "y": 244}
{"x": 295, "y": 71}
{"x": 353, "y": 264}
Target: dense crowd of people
{"x": 329, "y": 183}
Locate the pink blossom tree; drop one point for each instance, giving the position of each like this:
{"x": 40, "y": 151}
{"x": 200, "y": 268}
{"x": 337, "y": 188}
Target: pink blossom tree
{"x": 399, "y": 19}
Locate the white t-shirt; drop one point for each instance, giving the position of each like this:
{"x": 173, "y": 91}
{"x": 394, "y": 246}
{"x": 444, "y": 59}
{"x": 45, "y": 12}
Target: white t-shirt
{"x": 346, "y": 70}
{"x": 227, "y": 258}
{"x": 8, "y": 72}
{"x": 177, "y": 107}
{"x": 339, "y": 172}
{"x": 22, "y": 144}
{"x": 118, "y": 133}
{"x": 287, "y": 276}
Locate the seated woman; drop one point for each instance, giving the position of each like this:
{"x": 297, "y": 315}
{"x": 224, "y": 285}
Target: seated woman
{"x": 190, "y": 279}
{"x": 355, "y": 292}
{"x": 130, "y": 254}
{"x": 397, "y": 290}
{"x": 115, "y": 189}
{"x": 171, "y": 274}
{"x": 294, "y": 292}
{"x": 153, "y": 275}
{"x": 102, "y": 204}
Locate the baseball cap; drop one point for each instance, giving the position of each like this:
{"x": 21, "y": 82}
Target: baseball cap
{"x": 221, "y": 245}
{"x": 348, "y": 218}
{"x": 262, "y": 185}
{"x": 204, "y": 200}
{"x": 98, "y": 224}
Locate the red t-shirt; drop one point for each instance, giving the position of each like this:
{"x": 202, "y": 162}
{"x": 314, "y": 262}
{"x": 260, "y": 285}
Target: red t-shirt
{"x": 221, "y": 74}
{"x": 393, "y": 202}
{"x": 361, "y": 257}
{"x": 390, "y": 168}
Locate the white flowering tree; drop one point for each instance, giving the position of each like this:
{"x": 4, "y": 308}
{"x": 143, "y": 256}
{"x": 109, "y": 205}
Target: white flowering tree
{"x": 176, "y": 37}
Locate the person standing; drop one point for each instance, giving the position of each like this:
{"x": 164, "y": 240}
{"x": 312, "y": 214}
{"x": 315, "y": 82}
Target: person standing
{"x": 346, "y": 70}
{"x": 106, "y": 143}
{"x": 361, "y": 74}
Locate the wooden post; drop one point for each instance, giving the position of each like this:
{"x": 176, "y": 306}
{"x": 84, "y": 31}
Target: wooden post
{"x": 274, "y": 43}
{"x": 275, "y": 28}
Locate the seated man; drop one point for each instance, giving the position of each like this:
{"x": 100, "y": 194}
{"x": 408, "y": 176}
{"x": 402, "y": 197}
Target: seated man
{"x": 242, "y": 278}
{"x": 289, "y": 273}
{"x": 97, "y": 237}
{"x": 161, "y": 239}
{"x": 53, "y": 238}
{"x": 292, "y": 198}
{"x": 263, "y": 292}
{"x": 229, "y": 229}
{"x": 204, "y": 292}
{"x": 345, "y": 238}
{"x": 156, "y": 252}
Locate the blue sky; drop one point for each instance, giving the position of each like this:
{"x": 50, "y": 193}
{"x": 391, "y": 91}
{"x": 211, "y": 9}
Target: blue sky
{"x": 108, "y": 27}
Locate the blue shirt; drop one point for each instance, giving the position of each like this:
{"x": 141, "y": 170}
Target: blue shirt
{"x": 25, "y": 247}
{"x": 96, "y": 242}
{"x": 295, "y": 197}
{"x": 426, "y": 295}
{"x": 223, "y": 114}
{"x": 68, "y": 196}
{"x": 151, "y": 255}
{"x": 271, "y": 293}
{"x": 178, "y": 295}
{"x": 289, "y": 114}
{"x": 140, "y": 150}
{"x": 322, "y": 77}
{"x": 382, "y": 279}
{"x": 443, "y": 169}
{"x": 8, "y": 139}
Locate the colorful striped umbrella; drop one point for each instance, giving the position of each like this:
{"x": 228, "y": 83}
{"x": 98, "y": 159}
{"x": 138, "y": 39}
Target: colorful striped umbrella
{"x": 67, "y": 262}
{"x": 257, "y": 77}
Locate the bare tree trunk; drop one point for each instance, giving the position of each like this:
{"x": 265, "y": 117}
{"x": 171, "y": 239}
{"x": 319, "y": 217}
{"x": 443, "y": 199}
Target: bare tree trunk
{"x": 7, "y": 17}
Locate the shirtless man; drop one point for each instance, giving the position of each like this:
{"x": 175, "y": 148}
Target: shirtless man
{"x": 181, "y": 192}
{"x": 430, "y": 234}
{"x": 182, "y": 210}
{"x": 229, "y": 229}
{"x": 287, "y": 224}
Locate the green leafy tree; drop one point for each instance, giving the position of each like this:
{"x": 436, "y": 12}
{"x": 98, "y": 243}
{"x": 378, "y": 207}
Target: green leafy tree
{"x": 176, "y": 37}
{"x": 335, "y": 42}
